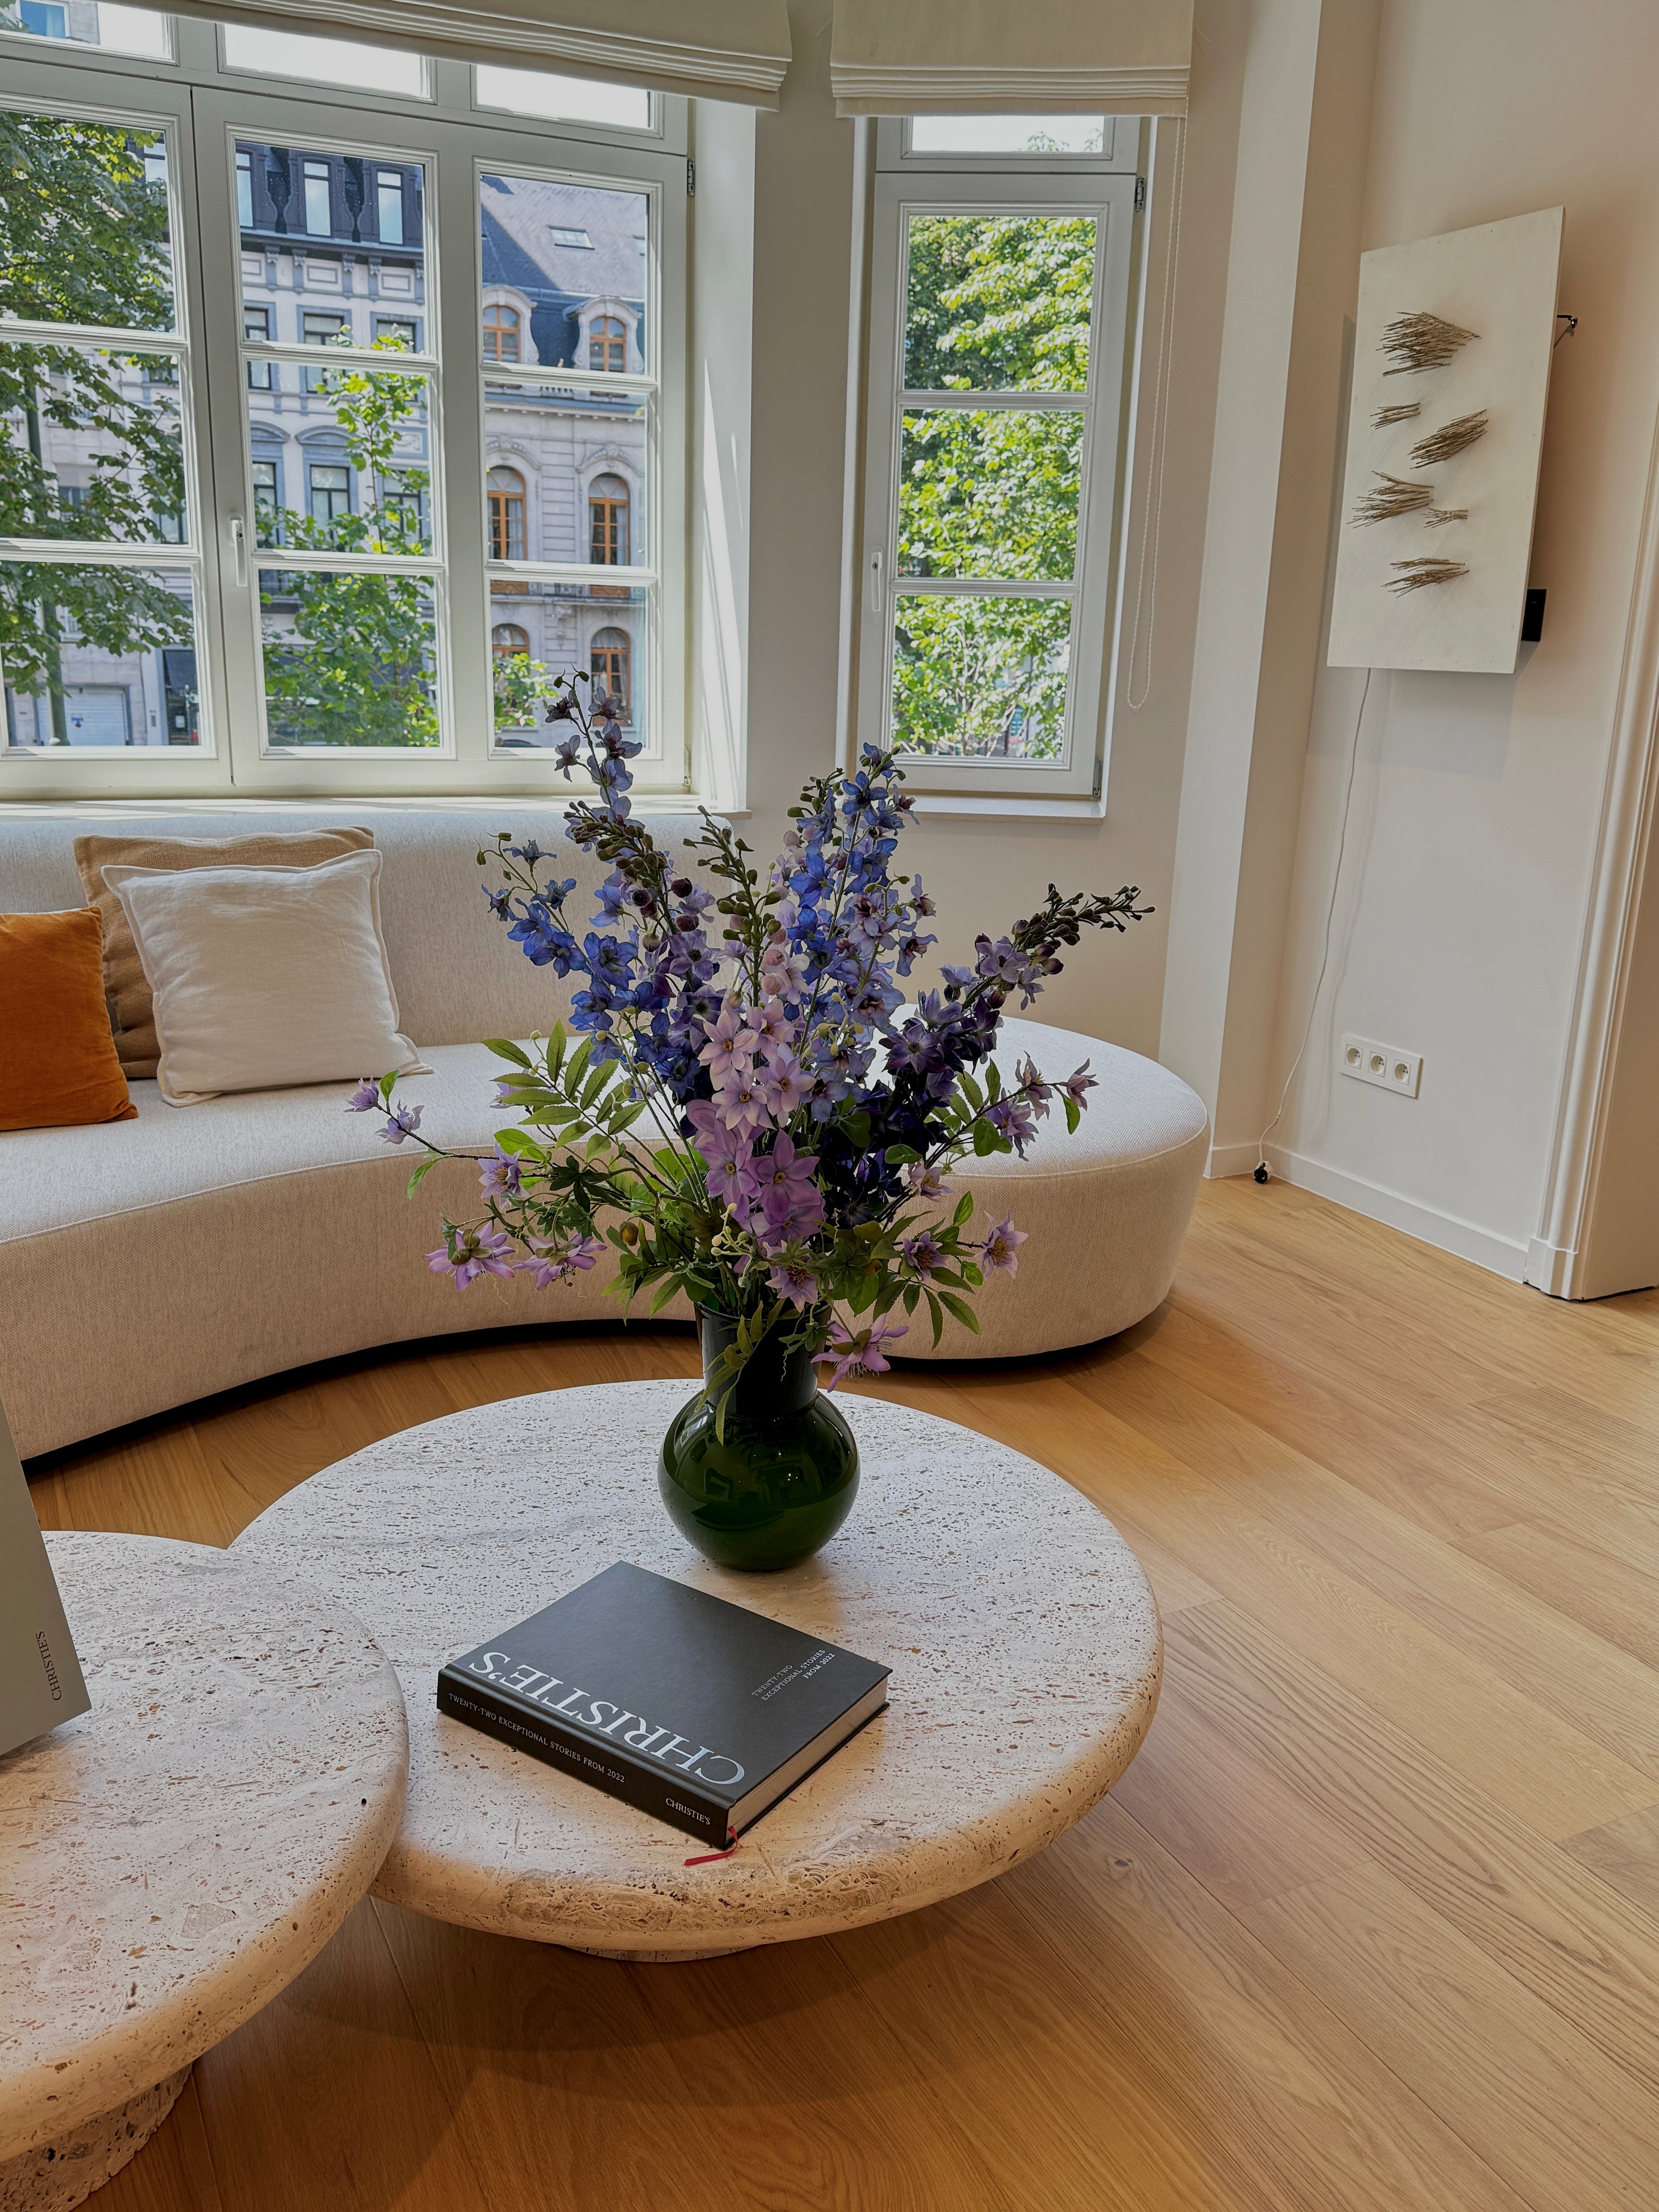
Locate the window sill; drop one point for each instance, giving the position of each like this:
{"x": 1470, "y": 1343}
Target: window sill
{"x": 647, "y": 804}
{"x": 1031, "y": 809}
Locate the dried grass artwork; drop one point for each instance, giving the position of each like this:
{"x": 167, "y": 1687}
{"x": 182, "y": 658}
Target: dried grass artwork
{"x": 1414, "y": 343}
{"x": 1412, "y": 576}
{"x": 1403, "y": 413}
{"x": 1437, "y": 515}
{"x": 1456, "y": 438}
{"x": 1392, "y": 497}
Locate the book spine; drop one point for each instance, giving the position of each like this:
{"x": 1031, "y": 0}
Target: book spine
{"x": 649, "y": 1788}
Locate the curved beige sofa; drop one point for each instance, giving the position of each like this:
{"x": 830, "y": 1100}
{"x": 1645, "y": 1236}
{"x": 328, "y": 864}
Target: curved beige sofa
{"x": 144, "y": 1264}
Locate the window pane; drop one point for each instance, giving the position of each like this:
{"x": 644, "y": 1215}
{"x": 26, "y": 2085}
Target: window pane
{"x": 579, "y": 460}
{"x": 351, "y": 459}
{"x": 90, "y": 445}
{"x": 980, "y": 678}
{"x": 998, "y": 302}
{"x": 1008, "y": 134}
{"x": 541, "y": 631}
{"x": 316, "y": 238}
{"x": 565, "y": 258}
{"x": 989, "y": 492}
{"x": 87, "y": 23}
{"x": 572, "y": 98}
{"x": 324, "y": 61}
{"x": 97, "y": 657}
{"x": 83, "y": 223}
{"x": 350, "y": 659}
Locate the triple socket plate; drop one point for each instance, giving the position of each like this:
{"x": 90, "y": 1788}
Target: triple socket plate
{"x": 1384, "y": 1065}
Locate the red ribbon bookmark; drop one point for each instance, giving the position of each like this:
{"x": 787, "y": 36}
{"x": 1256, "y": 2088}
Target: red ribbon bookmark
{"x": 710, "y": 1858}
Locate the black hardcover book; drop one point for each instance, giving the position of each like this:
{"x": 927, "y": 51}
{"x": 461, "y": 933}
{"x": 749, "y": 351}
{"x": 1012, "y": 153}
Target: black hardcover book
{"x": 699, "y": 1712}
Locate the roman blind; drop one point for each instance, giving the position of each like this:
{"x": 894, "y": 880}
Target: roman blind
{"x": 1011, "y": 57}
{"x": 735, "y": 50}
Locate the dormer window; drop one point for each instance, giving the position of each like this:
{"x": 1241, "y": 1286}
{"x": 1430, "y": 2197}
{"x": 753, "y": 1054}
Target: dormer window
{"x": 607, "y": 343}
{"x": 563, "y": 236}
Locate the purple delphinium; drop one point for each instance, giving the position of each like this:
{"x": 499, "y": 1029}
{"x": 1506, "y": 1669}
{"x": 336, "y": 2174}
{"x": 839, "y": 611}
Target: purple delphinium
{"x": 402, "y": 1122}
{"x": 365, "y": 1098}
{"x": 470, "y": 1252}
{"x": 1002, "y": 1245}
{"x": 859, "y": 1352}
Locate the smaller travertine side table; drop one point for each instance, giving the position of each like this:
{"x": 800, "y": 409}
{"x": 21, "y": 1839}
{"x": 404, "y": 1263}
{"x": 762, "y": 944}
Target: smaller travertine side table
{"x": 1023, "y": 1638}
{"x": 173, "y": 1859}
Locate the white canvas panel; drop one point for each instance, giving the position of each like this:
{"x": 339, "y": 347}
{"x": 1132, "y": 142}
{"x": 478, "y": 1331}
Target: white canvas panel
{"x": 1497, "y": 280}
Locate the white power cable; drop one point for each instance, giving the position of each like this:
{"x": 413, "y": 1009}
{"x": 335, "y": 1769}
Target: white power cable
{"x": 1262, "y": 1171}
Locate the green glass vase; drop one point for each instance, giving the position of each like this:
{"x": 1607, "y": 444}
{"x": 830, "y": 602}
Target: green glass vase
{"x": 782, "y": 1479}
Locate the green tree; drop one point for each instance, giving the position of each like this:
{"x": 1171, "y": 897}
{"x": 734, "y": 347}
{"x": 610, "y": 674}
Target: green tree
{"x": 993, "y": 303}
{"x": 349, "y": 657}
{"x": 84, "y": 239}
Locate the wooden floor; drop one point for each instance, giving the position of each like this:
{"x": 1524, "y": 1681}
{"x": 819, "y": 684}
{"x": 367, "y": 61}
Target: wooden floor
{"x": 1372, "y": 1922}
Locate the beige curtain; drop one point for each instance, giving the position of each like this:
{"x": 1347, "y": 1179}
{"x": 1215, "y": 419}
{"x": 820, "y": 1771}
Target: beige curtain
{"x": 1011, "y": 57}
{"x": 719, "y": 49}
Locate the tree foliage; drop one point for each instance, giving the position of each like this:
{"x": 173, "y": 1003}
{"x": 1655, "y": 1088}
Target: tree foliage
{"x": 349, "y": 654}
{"x": 993, "y": 304}
{"x": 84, "y": 239}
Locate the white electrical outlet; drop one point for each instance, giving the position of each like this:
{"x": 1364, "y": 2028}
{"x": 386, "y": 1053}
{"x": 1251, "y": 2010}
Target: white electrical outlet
{"x": 1384, "y": 1065}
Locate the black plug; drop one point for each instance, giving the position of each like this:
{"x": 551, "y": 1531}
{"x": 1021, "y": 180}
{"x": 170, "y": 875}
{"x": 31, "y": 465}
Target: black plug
{"x": 1262, "y": 1172}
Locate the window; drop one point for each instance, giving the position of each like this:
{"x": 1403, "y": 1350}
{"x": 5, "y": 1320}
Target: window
{"x": 324, "y": 61}
{"x": 998, "y": 362}
{"x": 243, "y": 553}
{"x": 607, "y": 343}
{"x": 506, "y": 488}
{"x": 608, "y": 663}
{"x": 318, "y": 218}
{"x": 501, "y": 333}
{"x": 87, "y": 23}
{"x": 562, "y": 235}
{"x": 607, "y": 522}
{"x": 579, "y": 100}
{"x": 389, "y": 186}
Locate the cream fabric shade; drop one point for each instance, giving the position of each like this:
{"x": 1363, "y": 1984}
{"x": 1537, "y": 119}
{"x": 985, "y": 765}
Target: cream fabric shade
{"x": 1011, "y": 57}
{"x": 735, "y": 50}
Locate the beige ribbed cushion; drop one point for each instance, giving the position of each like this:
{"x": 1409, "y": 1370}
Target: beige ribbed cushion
{"x": 131, "y": 1015}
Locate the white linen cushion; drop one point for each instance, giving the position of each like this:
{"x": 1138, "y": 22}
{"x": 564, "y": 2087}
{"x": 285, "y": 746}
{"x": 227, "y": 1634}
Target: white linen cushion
{"x": 264, "y": 978}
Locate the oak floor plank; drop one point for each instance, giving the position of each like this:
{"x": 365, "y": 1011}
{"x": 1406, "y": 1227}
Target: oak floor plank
{"x": 1538, "y": 1766}
{"x": 1530, "y": 2094}
{"x": 1534, "y": 1910}
{"x": 1610, "y": 1594}
{"x": 1303, "y": 2103}
{"x": 1626, "y": 1856}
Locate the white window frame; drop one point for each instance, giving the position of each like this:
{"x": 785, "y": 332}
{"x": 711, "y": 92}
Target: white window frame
{"x": 1107, "y": 185}
{"x": 203, "y": 108}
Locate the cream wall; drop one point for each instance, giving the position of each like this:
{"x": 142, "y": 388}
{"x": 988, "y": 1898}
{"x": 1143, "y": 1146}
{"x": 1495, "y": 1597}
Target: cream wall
{"x": 1458, "y": 927}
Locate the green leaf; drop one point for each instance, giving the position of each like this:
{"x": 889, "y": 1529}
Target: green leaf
{"x": 993, "y": 1082}
{"x": 504, "y": 1048}
{"x": 936, "y": 1317}
{"x": 960, "y": 1308}
{"x": 900, "y": 1155}
{"x": 1073, "y": 1113}
{"x": 964, "y": 1211}
{"x": 987, "y": 1141}
{"x": 669, "y": 1290}
{"x": 521, "y": 1143}
{"x": 423, "y": 1169}
{"x": 971, "y": 1091}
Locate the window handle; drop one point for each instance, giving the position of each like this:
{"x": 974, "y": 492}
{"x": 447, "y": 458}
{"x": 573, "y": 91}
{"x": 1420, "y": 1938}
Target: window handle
{"x": 239, "y": 550}
{"x": 878, "y": 582}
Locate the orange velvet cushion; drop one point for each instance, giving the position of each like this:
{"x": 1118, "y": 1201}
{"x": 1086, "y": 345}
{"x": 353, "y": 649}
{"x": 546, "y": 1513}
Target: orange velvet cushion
{"x": 58, "y": 1059}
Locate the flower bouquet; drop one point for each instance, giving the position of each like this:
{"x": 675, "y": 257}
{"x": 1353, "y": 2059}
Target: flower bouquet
{"x": 742, "y": 1105}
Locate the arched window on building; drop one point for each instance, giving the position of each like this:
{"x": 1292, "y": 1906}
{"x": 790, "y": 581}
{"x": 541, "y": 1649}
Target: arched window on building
{"x": 507, "y": 641}
{"x": 503, "y": 333}
{"x": 607, "y": 343}
{"x": 506, "y": 488}
{"x": 608, "y": 535}
{"x": 610, "y": 655}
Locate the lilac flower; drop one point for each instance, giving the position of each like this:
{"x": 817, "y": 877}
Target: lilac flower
{"x": 792, "y": 1281}
{"x": 470, "y": 1252}
{"x": 729, "y": 1041}
{"x": 1002, "y": 1245}
{"x": 730, "y": 1179}
{"x": 740, "y": 1104}
{"x": 501, "y": 1175}
{"x": 786, "y": 1085}
{"x": 365, "y": 1096}
{"x": 1034, "y": 1088}
{"x": 861, "y": 1354}
{"x": 1010, "y": 1116}
{"x": 923, "y": 1181}
{"x": 784, "y": 1169}
{"x": 556, "y": 1261}
{"x": 923, "y": 1254}
{"x": 787, "y": 1214}
{"x": 401, "y": 1124}
{"x": 769, "y": 1026}
{"x": 1076, "y": 1084}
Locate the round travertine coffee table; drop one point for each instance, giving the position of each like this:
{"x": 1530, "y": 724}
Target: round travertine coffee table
{"x": 174, "y": 1858}
{"x": 1023, "y": 1638}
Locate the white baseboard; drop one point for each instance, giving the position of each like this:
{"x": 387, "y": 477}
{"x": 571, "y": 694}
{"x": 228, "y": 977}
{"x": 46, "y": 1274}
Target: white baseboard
{"x": 1230, "y": 1160}
{"x": 1550, "y": 1267}
{"x": 1448, "y": 1231}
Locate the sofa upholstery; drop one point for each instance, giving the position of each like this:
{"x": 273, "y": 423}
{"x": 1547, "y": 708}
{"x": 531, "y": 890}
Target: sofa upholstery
{"x": 147, "y": 1263}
